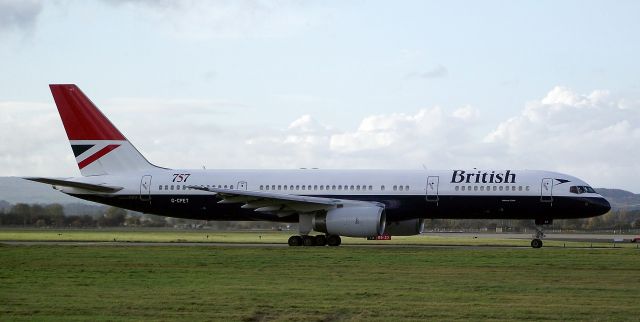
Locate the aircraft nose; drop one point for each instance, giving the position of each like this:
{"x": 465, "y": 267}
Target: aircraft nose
{"x": 600, "y": 205}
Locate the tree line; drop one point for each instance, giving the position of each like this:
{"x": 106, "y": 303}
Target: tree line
{"x": 53, "y": 215}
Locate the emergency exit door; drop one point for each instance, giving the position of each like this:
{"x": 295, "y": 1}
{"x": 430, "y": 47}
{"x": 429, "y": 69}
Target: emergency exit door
{"x": 546, "y": 190}
{"x": 145, "y": 188}
{"x": 432, "y": 188}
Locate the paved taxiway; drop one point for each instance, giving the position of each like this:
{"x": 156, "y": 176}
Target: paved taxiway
{"x": 595, "y": 238}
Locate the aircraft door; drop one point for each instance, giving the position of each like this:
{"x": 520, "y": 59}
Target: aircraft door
{"x": 145, "y": 188}
{"x": 242, "y": 185}
{"x": 546, "y": 190}
{"x": 432, "y": 188}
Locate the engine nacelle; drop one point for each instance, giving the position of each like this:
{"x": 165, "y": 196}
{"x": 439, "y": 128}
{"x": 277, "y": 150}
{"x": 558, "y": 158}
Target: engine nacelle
{"x": 407, "y": 227}
{"x": 354, "y": 221}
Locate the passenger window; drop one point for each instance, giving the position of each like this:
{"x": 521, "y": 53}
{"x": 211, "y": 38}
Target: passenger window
{"x": 382, "y": 188}
{"x": 475, "y": 188}
{"x": 519, "y": 188}
{"x": 358, "y": 187}
{"x": 500, "y": 188}
{"x": 267, "y": 187}
{"x": 513, "y": 188}
{"x": 481, "y": 188}
{"x": 171, "y": 187}
{"x": 401, "y": 188}
{"x": 160, "y": 187}
{"x": 527, "y": 188}
{"x": 370, "y": 188}
{"x": 495, "y": 188}
{"x": 333, "y": 187}
{"x": 285, "y": 187}
{"x": 303, "y": 188}
{"x": 321, "y": 187}
{"x": 406, "y": 188}
{"x": 339, "y": 187}
{"x": 395, "y": 188}
{"x": 315, "y": 187}
{"x": 351, "y": 188}
{"x": 457, "y": 188}
{"x": 261, "y": 186}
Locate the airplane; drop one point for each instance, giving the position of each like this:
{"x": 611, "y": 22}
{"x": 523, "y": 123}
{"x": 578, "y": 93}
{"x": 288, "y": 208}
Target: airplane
{"x": 334, "y": 203}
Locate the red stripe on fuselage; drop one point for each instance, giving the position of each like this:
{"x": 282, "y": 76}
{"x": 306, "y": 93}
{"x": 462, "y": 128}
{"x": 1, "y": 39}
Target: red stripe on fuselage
{"x": 97, "y": 155}
{"x": 81, "y": 118}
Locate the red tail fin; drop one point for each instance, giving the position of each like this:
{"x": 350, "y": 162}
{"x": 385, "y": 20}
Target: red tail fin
{"x": 98, "y": 146}
{"x": 81, "y": 119}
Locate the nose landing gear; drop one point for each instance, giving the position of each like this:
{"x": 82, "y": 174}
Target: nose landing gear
{"x": 539, "y": 234}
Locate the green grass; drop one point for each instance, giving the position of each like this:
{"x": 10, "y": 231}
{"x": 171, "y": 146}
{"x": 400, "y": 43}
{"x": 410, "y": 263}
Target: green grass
{"x": 203, "y": 236}
{"x": 317, "y": 284}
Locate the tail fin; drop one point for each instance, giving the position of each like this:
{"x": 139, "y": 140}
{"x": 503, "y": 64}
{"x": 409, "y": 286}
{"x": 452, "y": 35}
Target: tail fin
{"x": 98, "y": 146}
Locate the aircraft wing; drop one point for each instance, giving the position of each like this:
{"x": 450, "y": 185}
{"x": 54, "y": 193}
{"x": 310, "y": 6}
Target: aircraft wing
{"x": 74, "y": 184}
{"x": 283, "y": 204}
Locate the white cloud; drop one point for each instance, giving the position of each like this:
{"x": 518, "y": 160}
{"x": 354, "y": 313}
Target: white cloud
{"x": 593, "y": 136}
{"x": 438, "y": 71}
{"x": 201, "y": 19}
{"x": 19, "y": 14}
{"x": 34, "y": 141}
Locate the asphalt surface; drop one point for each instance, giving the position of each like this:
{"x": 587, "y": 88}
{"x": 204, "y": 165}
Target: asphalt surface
{"x": 595, "y": 238}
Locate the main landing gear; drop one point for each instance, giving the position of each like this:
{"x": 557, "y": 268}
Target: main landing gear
{"x": 318, "y": 240}
{"x": 539, "y": 234}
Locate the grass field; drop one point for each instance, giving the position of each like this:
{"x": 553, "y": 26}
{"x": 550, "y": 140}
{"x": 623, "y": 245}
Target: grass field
{"x": 203, "y": 236}
{"x": 317, "y": 284}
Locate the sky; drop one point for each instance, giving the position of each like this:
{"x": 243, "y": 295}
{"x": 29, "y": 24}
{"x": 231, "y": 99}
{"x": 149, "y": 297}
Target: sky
{"x": 550, "y": 85}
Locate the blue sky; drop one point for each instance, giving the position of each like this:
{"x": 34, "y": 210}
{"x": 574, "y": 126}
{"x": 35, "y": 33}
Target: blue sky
{"x": 356, "y": 84}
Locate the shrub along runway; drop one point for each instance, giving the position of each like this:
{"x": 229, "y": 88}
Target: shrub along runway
{"x": 317, "y": 283}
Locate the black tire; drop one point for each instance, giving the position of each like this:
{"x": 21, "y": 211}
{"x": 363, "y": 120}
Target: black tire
{"x": 295, "y": 241}
{"x": 321, "y": 240}
{"x": 536, "y": 243}
{"x": 308, "y": 241}
{"x": 334, "y": 240}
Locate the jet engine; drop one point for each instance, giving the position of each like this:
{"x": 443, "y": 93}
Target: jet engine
{"x": 407, "y": 227}
{"x": 354, "y": 221}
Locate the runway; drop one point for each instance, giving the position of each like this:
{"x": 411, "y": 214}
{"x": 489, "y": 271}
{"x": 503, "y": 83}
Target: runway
{"x": 444, "y": 240}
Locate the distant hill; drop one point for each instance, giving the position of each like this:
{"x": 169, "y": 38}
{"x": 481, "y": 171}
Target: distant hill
{"x": 621, "y": 198}
{"x": 15, "y": 190}
{"x": 4, "y": 205}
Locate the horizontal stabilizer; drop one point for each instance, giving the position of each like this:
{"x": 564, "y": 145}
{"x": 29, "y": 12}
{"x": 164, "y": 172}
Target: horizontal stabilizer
{"x": 74, "y": 184}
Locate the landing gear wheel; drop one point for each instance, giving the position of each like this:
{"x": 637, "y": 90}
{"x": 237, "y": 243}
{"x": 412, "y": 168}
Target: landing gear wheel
{"x": 308, "y": 241}
{"x": 536, "y": 243}
{"x": 334, "y": 240}
{"x": 321, "y": 240}
{"x": 295, "y": 241}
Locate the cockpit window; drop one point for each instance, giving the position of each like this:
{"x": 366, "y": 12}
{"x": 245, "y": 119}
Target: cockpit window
{"x": 581, "y": 189}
